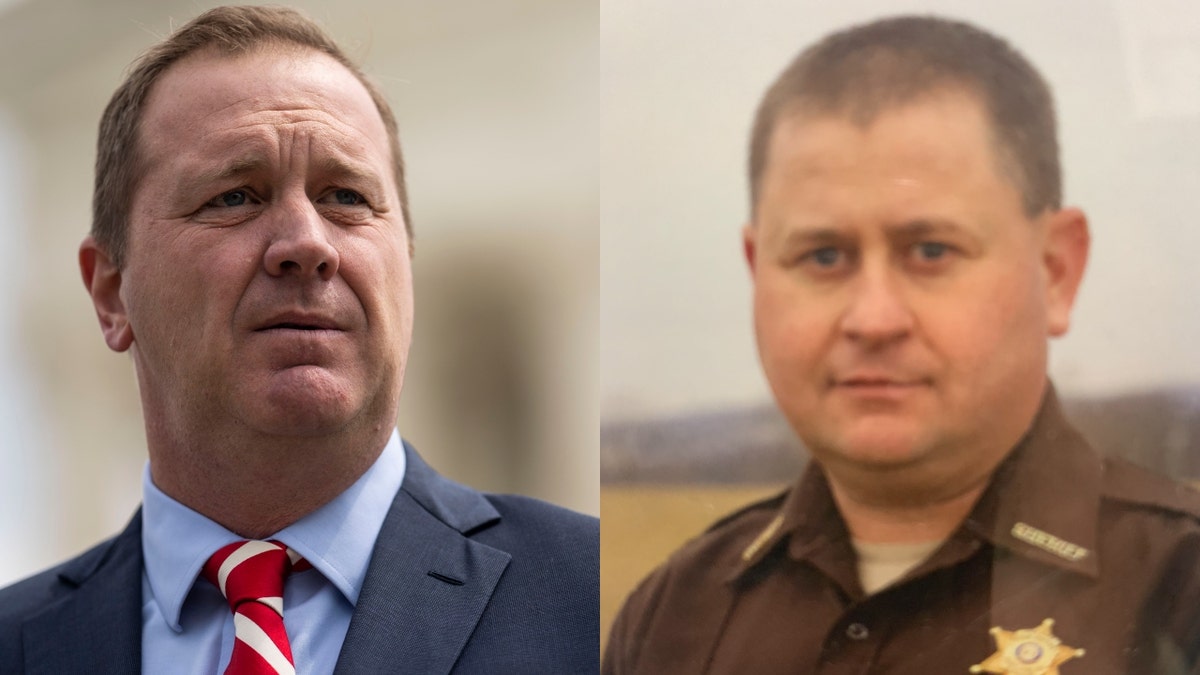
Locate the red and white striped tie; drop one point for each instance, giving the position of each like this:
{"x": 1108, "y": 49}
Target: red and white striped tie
{"x": 250, "y": 575}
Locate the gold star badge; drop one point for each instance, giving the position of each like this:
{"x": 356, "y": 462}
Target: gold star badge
{"x": 1027, "y": 651}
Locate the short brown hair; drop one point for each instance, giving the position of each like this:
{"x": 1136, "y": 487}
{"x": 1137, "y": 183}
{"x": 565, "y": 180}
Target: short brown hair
{"x": 864, "y": 70}
{"x": 231, "y": 31}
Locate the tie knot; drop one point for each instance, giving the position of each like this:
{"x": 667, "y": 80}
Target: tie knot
{"x": 252, "y": 571}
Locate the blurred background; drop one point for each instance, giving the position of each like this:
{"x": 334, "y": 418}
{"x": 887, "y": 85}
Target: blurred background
{"x": 499, "y": 115}
{"x": 689, "y": 430}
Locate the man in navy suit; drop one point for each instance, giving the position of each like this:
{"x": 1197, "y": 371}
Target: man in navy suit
{"x": 250, "y": 248}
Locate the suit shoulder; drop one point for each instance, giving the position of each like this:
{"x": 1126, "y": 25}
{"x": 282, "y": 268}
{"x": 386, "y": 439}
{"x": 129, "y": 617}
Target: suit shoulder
{"x": 536, "y": 508}
{"x": 1135, "y": 488}
{"x": 531, "y": 524}
{"x": 25, "y": 599}
{"x": 551, "y": 587}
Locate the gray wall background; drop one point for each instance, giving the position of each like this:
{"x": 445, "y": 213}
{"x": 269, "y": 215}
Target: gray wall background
{"x": 497, "y": 103}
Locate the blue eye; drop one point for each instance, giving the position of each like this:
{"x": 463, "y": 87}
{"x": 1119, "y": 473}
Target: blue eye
{"x": 230, "y": 199}
{"x": 931, "y": 250}
{"x": 348, "y": 197}
{"x": 826, "y": 257}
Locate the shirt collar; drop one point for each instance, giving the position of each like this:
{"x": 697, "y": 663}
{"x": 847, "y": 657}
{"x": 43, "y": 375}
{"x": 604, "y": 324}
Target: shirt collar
{"x": 337, "y": 538}
{"x": 1042, "y": 502}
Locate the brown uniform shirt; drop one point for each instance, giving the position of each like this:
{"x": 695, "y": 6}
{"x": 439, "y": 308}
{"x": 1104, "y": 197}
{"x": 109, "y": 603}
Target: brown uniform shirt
{"x": 1109, "y": 552}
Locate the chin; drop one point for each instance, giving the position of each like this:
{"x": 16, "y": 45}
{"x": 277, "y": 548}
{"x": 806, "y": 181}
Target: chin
{"x": 878, "y": 447}
{"x": 297, "y": 418}
{"x": 301, "y": 402}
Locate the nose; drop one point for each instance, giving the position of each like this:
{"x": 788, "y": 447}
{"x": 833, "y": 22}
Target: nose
{"x": 878, "y": 313}
{"x": 300, "y": 244}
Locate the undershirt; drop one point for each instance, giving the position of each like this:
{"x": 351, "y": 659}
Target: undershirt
{"x": 881, "y": 564}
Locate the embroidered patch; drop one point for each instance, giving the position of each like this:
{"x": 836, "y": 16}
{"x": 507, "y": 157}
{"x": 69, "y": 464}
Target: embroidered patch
{"x": 762, "y": 538}
{"x": 1049, "y": 543}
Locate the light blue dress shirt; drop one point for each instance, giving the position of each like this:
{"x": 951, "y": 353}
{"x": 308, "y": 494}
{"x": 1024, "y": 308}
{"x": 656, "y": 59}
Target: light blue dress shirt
{"x": 187, "y": 626}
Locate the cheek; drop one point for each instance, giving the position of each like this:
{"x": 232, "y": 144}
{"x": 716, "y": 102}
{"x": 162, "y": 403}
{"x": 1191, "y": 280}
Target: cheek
{"x": 993, "y": 329}
{"x": 380, "y": 273}
{"x": 792, "y": 330}
{"x": 187, "y": 297}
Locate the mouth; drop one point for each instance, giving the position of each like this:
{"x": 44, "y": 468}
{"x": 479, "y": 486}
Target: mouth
{"x": 292, "y": 326}
{"x": 298, "y": 323}
{"x": 880, "y": 382}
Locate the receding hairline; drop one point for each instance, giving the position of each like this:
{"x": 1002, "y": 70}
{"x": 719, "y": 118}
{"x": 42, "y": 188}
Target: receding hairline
{"x": 798, "y": 111}
{"x": 874, "y": 66}
{"x": 276, "y": 47}
{"x": 272, "y": 47}
{"x": 217, "y": 54}
{"x": 226, "y": 30}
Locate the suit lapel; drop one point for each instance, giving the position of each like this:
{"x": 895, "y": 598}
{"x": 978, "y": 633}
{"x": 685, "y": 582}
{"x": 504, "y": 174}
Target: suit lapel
{"x": 96, "y": 626}
{"x": 428, "y": 583}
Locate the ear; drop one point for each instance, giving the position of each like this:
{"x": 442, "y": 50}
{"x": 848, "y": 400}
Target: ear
{"x": 749, "y": 246}
{"x": 102, "y": 278}
{"x": 1064, "y": 258}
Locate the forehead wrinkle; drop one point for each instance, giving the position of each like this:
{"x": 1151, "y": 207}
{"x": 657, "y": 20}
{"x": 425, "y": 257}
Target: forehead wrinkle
{"x": 265, "y": 111}
{"x": 287, "y": 118}
{"x": 335, "y": 158}
{"x": 347, "y": 139}
{"x": 269, "y": 136}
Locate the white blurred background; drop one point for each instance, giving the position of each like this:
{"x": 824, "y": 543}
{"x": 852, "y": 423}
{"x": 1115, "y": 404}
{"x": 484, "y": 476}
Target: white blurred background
{"x": 499, "y": 115}
{"x": 680, "y": 84}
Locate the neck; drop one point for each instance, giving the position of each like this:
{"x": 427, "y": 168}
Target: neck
{"x": 256, "y": 487}
{"x": 887, "y": 521}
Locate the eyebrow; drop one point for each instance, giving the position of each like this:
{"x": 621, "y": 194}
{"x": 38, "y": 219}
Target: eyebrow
{"x": 924, "y": 226}
{"x": 241, "y": 166}
{"x": 355, "y": 172}
{"x": 826, "y": 235}
{"x": 814, "y": 236}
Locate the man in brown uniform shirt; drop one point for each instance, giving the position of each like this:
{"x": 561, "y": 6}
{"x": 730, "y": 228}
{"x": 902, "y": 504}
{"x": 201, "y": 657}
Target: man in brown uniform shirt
{"x": 910, "y": 257}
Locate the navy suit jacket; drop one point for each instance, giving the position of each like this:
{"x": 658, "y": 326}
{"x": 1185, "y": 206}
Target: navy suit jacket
{"x": 460, "y": 582}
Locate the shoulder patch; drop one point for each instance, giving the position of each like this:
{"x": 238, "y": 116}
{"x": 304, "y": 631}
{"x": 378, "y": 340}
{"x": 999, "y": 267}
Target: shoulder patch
{"x": 769, "y": 504}
{"x": 1127, "y": 482}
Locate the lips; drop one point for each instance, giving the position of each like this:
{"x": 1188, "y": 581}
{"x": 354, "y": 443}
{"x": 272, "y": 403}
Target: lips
{"x": 877, "y": 380}
{"x": 299, "y": 321}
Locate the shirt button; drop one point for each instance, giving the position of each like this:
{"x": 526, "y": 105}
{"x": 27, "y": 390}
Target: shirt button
{"x": 857, "y": 631}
